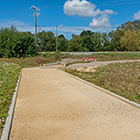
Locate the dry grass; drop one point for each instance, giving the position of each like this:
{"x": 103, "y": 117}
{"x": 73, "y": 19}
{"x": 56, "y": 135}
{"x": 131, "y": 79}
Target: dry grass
{"x": 120, "y": 78}
{"x": 29, "y": 61}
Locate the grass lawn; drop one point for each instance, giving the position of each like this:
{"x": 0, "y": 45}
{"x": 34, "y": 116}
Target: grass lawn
{"x": 120, "y": 78}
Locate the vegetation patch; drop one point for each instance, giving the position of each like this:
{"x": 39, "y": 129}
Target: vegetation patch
{"x": 8, "y": 79}
{"x": 9, "y": 72}
{"x": 30, "y": 61}
{"x": 109, "y": 56}
{"x": 120, "y": 78}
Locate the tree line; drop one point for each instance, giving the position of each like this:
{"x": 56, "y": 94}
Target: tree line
{"x": 20, "y": 44}
{"x": 16, "y": 44}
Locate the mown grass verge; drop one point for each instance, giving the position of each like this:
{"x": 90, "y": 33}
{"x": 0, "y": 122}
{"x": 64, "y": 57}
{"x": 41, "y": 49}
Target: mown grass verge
{"x": 8, "y": 79}
{"x": 120, "y": 78}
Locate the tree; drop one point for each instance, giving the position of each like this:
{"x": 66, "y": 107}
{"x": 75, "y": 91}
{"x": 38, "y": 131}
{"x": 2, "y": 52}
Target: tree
{"x": 106, "y": 45}
{"x": 87, "y": 42}
{"x": 47, "y": 41}
{"x": 62, "y": 43}
{"x": 87, "y": 33}
{"x": 75, "y": 44}
{"x": 135, "y": 25}
{"x": 115, "y": 37}
{"x": 96, "y": 40}
{"x": 16, "y": 44}
{"x": 131, "y": 40}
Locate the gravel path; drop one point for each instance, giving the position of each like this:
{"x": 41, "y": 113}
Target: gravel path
{"x": 98, "y": 63}
{"x": 51, "y": 105}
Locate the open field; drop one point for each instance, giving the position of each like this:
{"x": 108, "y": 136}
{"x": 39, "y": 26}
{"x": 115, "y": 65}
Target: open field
{"x": 120, "y": 78}
{"x": 6, "y": 91}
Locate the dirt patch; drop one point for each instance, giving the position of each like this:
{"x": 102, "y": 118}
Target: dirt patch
{"x": 87, "y": 69}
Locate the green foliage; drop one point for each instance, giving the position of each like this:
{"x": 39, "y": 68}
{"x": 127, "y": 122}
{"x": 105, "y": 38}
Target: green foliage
{"x": 47, "y": 41}
{"x": 96, "y": 40}
{"x": 16, "y": 44}
{"x": 62, "y": 43}
{"x": 8, "y": 78}
{"x": 21, "y": 44}
{"x": 75, "y": 44}
{"x": 131, "y": 40}
{"x": 57, "y": 55}
{"x": 87, "y": 33}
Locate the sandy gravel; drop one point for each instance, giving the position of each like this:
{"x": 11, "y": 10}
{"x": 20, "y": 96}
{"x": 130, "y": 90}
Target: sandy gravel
{"x": 52, "y": 105}
{"x": 98, "y": 63}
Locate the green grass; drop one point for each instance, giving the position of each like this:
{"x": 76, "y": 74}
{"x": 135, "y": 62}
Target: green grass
{"x": 120, "y": 78}
{"x": 8, "y": 79}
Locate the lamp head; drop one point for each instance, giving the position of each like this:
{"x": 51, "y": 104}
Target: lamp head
{"x": 33, "y": 7}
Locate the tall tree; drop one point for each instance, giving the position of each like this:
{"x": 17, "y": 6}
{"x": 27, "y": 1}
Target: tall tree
{"x": 114, "y": 38}
{"x": 47, "y": 41}
{"x": 62, "y": 43}
{"x": 87, "y": 33}
{"x": 75, "y": 44}
{"x": 131, "y": 40}
{"x": 96, "y": 40}
{"x": 16, "y": 44}
{"x": 106, "y": 45}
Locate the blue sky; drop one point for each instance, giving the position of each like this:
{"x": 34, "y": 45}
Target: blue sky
{"x": 71, "y": 16}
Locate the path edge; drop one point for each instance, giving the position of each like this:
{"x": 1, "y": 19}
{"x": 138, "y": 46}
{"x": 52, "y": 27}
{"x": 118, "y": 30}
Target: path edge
{"x": 8, "y": 123}
{"x": 106, "y": 91}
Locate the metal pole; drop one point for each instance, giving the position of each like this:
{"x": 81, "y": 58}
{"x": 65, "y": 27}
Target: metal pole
{"x": 35, "y": 29}
{"x": 56, "y": 37}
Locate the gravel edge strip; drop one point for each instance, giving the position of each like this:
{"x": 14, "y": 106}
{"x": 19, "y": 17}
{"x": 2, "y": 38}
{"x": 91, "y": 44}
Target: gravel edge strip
{"x": 106, "y": 91}
{"x": 7, "y": 127}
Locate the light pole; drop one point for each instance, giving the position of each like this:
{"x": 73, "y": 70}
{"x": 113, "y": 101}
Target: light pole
{"x": 34, "y": 8}
{"x": 56, "y": 36}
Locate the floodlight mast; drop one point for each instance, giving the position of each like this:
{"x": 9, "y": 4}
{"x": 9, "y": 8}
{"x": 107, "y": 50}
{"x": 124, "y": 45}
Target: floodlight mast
{"x": 34, "y": 8}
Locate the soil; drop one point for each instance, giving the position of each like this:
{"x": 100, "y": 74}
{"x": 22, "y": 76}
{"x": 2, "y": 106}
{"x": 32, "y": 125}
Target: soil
{"x": 51, "y": 105}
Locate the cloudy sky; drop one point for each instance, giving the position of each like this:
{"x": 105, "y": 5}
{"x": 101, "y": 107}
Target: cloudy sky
{"x": 71, "y": 16}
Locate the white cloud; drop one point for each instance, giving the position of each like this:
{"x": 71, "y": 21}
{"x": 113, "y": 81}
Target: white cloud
{"x": 20, "y": 25}
{"x": 100, "y": 23}
{"x": 137, "y": 15}
{"x": 107, "y": 11}
{"x": 83, "y": 8}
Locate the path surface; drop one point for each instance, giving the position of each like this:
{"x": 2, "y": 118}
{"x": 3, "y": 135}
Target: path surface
{"x": 52, "y": 105}
{"x": 99, "y": 63}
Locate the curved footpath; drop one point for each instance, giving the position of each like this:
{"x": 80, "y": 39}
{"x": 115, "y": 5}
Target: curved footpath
{"x": 52, "y": 105}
